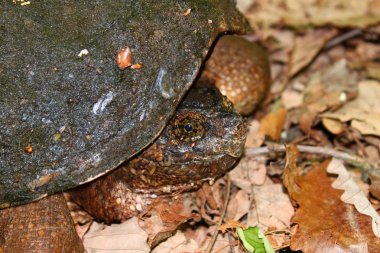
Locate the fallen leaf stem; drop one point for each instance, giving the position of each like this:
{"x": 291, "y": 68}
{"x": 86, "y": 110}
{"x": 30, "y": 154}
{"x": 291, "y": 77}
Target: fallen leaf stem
{"x": 350, "y": 159}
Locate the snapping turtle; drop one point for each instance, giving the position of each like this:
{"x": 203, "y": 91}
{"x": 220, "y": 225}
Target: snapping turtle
{"x": 67, "y": 119}
{"x": 78, "y": 117}
{"x": 202, "y": 141}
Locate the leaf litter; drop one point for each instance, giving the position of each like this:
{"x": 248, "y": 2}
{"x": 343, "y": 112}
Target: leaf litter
{"x": 325, "y": 222}
{"x": 324, "y": 97}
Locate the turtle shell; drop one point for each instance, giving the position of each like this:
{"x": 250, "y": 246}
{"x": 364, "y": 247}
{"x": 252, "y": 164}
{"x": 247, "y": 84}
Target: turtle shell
{"x": 68, "y": 114}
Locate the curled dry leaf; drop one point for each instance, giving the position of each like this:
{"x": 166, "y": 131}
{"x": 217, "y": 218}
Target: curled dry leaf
{"x": 210, "y": 200}
{"x": 291, "y": 169}
{"x": 325, "y": 223}
{"x": 167, "y": 215}
{"x": 352, "y": 193}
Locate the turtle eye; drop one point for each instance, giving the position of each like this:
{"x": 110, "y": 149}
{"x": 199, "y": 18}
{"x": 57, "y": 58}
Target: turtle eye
{"x": 189, "y": 127}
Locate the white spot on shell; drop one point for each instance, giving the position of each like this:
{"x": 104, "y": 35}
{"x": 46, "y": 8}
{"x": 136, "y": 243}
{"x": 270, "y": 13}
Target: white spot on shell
{"x": 83, "y": 52}
{"x": 158, "y": 84}
{"x": 142, "y": 115}
{"x": 102, "y": 103}
{"x": 95, "y": 159}
{"x": 46, "y": 121}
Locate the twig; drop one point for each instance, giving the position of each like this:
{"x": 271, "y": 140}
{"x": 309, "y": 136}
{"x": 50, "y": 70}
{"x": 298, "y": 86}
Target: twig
{"x": 351, "y": 159}
{"x": 276, "y": 232}
{"x": 342, "y": 38}
{"x": 215, "y": 235}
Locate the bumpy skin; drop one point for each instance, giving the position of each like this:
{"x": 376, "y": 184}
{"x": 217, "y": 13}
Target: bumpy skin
{"x": 240, "y": 70}
{"x": 201, "y": 142}
{"x": 42, "y": 226}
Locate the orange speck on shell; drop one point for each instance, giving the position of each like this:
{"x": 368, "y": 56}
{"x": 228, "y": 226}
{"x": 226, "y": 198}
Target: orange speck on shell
{"x": 186, "y": 13}
{"x": 29, "y": 149}
{"x": 124, "y": 58}
{"x": 136, "y": 66}
{"x": 41, "y": 232}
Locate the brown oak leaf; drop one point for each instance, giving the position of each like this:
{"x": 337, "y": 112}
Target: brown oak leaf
{"x": 325, "y": 223}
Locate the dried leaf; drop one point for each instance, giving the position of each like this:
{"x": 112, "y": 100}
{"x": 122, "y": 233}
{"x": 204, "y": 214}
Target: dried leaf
{"x": 373, "y": 70}
{"x": 325, "y": 223}
{"x": 334, "y": 126}
{"x": 331, "y": 87}
{"x": 167, "y": 215}
{"x": 177, "y": 244}
{"x": 231, "y": 224}
{"x": 254, "y": 137}
{"x": 375, "y": 183}
{"x": 272, "y": 207}
{"x": 125, "y": 237}
{"x": 364, "y": 111}
{"x": 273, "y": 123}
{"x": 222, "y": 244}
{"x": 306, "y": 48}
{"x": 352, "y": 193}
{"x": 327, "y": 89}
{"x": 238, "y": 205}
{"x": 291, "y": 169}
{"x": 250, "y": 171}
{"x": 291, "y": 99}
{"x": 300, "y": 13}
{"x": 306, "y": 119}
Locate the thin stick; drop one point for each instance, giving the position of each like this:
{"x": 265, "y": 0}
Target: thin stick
{"x": 215, "y": 235}
{"x": 342, "y": 38}
{"x": 351, "y": 159}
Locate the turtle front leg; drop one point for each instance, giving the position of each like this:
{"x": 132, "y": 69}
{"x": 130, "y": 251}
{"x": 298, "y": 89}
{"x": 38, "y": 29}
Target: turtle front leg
{"x": 41, "y": 226}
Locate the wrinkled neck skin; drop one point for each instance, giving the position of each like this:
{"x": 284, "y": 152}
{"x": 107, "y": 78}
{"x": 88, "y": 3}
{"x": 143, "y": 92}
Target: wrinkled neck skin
{"x": 203, "y": 140}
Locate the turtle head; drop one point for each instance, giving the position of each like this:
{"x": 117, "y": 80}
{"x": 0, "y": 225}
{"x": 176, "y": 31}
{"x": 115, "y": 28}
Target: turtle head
{"x": 205, "y": 127}
{"x": 202, "y": 141}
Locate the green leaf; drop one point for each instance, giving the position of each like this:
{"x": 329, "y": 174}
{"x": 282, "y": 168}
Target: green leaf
{"x": 254, "y": 240}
